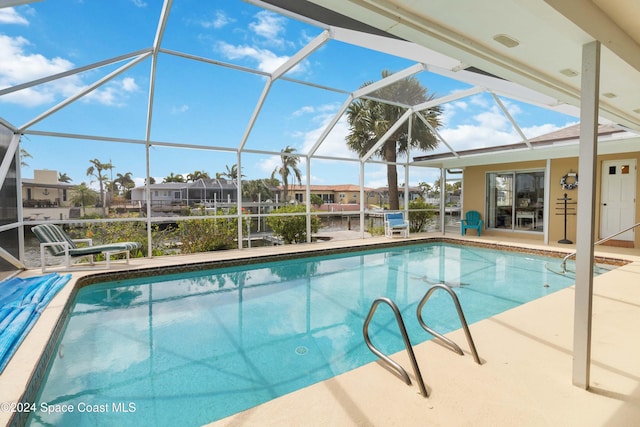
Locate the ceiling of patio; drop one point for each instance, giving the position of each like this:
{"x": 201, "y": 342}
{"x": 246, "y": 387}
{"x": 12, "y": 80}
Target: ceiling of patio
{"x": 550, "y": 35}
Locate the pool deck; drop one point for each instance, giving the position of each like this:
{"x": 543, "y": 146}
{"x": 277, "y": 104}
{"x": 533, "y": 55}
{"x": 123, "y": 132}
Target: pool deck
{"x": 525, "y": 378}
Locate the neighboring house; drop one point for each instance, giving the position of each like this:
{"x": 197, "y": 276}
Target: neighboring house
{"x": 349, "y": 194}
{"x": 330, "y": 194}
{"x": 520, "y": 188}
{"x": 43, "y": 197}
{"x": 44, "y": 190}
{"x": 202, "y": 191}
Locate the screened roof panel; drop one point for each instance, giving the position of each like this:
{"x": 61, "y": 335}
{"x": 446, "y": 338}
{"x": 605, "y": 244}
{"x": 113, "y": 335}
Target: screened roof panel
{"x": 203, "y": 104}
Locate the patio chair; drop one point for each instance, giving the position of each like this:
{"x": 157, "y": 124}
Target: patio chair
{"x": 472, "y": 220}
{"x": 395, "y": 224}
{"x": 53, "y": 239}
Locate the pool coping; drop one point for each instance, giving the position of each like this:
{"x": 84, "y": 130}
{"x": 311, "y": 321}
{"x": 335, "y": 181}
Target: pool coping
{"x": 25, "y": 370}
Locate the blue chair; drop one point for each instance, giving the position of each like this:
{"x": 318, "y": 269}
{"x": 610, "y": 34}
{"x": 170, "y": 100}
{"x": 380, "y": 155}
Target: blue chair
{"x": 472, "y": 220}
{"x": 394, "y": 223}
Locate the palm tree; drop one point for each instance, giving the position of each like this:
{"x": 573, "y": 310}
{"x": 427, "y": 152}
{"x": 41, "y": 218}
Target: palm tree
{"x": 256, "y": 189}
{"x": 24, "y": 154}
{"x": 289, "y": 165}
{"x": 369, "y": 120}
{"x": 83, "y": 196}
{"x": 174, "y": 178}
{"x": 125, "y": 183}
{"x": 231, "y": 173}
{"x": 63, "y": 177}
{"x": 196, "y": 175}
{"x": 96, "y": 171}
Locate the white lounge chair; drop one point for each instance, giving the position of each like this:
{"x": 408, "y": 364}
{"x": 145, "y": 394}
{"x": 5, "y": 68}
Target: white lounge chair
{"x": 58, "y": 243}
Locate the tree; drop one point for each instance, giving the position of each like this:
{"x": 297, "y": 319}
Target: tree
{"x": 316, "y": 200}
{"x": 83, "y": 196}
{"x": 174, "y": 178}
{"x": 125, "y": 184}
{"x": 370, "y": 119}
{"x": 289, "y": 165}
{"x": 96, "y": 171}
{"x": 426, "y": 188}
{"x": 231, "y": 173}
{"x": 24, "y": 154}
{"x": 63, "y": 177}
{"x": 256, "y": 189}
{"x": 196, "y": 175}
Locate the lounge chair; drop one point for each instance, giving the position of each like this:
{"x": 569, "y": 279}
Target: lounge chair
{"x": 58, "y": 243}
{"x": 395, "y": 224}
{"x": 472, "y": 220}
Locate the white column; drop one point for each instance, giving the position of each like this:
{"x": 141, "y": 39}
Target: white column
{"x": 443, "y": 189}
{"x": 586, "y": 214}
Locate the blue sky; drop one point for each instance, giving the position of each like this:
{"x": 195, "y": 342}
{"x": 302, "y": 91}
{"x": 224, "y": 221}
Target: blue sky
{"x": 202, "y": 104}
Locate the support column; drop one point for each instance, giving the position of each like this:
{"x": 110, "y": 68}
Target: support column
{"x": 443, "y": 190}
{"x": 586, "y": 213}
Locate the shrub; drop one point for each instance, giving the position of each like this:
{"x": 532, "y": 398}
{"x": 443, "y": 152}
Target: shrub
{"x": 292, "y": 228}
{"x": 112, "y": 232}
{"x": 419, "y": 216}
{"x": 207, "y": 234}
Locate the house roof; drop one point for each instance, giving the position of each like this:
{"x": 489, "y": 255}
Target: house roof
{"x": 29, "y": 182}
{"x": 329, "y": 188}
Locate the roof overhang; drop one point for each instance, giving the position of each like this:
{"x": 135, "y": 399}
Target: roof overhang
{"x": 549, "y": 34}
{"x": 623, "y": 142}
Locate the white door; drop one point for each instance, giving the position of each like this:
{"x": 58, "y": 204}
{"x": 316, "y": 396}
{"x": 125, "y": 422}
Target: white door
{"x": 617, "y": 204}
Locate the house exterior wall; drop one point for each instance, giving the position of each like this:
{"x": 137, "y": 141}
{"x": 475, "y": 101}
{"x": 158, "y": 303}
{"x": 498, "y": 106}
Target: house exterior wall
{"x": 474, "y": 194}
{"x": 56, "y": 194}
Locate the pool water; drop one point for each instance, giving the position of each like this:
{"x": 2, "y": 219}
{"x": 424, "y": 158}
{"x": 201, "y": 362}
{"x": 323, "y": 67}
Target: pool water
{"x": 193, "y": 348}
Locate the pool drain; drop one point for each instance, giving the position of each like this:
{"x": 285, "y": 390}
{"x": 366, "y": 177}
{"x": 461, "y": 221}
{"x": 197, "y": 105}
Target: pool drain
{"x": 301, "y": 350}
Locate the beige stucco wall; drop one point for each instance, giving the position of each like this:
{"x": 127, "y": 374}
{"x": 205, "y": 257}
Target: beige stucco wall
{"x": 474, "y": 194}
{"x": 45, "y": 176}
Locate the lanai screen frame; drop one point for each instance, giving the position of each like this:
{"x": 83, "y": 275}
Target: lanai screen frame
{"x": 426, "y": 61}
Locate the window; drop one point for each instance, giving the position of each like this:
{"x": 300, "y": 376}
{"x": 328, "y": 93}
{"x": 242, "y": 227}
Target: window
{"x": 177, "y": 195}
{"x": 515, "y": 200}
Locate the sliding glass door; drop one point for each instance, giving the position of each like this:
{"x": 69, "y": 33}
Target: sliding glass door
{"x": 515, "y": 200}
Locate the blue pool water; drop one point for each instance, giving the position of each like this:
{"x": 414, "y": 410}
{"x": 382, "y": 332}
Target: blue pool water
{"x": 189, "y": 349}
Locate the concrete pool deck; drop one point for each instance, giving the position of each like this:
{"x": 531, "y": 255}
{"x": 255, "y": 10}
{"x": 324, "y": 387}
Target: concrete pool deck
{"x": 524, "y": 380}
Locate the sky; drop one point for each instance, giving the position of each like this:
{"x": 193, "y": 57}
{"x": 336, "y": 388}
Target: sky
{"x": 205, "y": 105}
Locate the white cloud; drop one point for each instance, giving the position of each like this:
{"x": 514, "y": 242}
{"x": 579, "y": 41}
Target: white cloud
{"x": 139, "y": 3}
{"x": 8, "y": 15}
{"x": 269, "y": 26}
{"x": 267, "y": 60}
{"x": 219, "y": 20}
{"x": 129, "y": 84}
{"x": 113, "y": 93}
{"x": 19, "y": 66}
{"x": 179, "y": 109}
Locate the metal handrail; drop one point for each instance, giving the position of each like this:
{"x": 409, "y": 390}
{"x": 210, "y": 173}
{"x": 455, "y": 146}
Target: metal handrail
{"x": 448, "y": 343}
{"x": 566, "y": 258}
{"x": 407, "y": 343}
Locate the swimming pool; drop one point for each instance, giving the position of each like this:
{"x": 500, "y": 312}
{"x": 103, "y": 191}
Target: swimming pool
{"x": 192, "y": 348}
